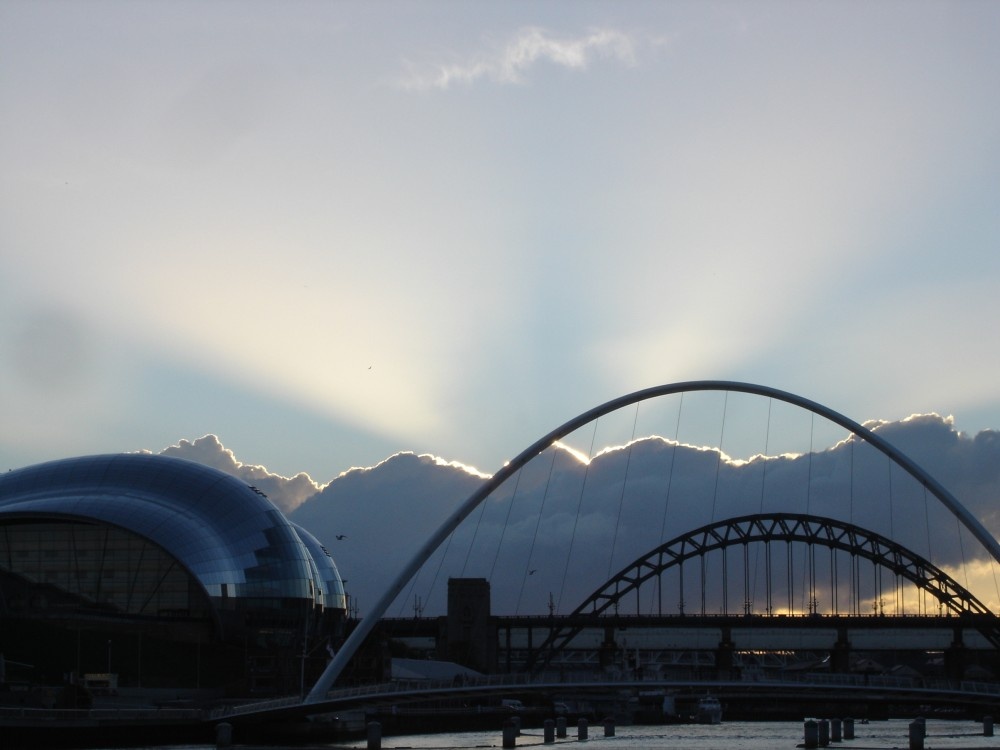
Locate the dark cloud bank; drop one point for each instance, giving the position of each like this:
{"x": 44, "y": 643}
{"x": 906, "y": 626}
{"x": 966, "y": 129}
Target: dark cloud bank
{"x": 557, "y": 531}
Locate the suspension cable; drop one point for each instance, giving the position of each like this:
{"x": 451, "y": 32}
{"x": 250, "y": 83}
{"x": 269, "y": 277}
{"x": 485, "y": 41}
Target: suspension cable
{"x": 576, "y": 518}
{"x": 760, "y": 509}
{"x": 666, "y": 499}
{"x": 808, "y": 550}
{"x": 475, "y": 533}
{"x": 853, "y": 440}
{"x": 961, "y": 546}
{"x": 538, "y": 523}
{"x": 437, "y": 571}
{"x": 506, "y": 523}
{"x": 718, "y": 465}
{"x": 670, "y": 476}
{"x": 889, "y": 461}
{"x": 927, "y": 527}
{"x": 621, "y": 497}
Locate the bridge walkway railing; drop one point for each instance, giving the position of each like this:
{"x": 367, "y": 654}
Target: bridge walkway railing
{"x": 490, "y": 683}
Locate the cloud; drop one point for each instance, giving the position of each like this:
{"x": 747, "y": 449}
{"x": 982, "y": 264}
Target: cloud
{"x": 575, "y": 522}
{"x": 384, "y": 514}
{"x": 285, "y": 492}
{"x": 531, "y": 45}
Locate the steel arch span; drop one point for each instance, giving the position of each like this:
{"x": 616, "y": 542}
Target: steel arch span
{"x": 776, "y": 527}
{"x": 356, "y": 638}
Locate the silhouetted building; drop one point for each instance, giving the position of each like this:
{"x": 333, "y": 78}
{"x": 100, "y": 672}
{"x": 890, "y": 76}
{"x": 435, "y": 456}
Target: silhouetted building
{"x": 471, "y": 639}
{"x": 162, "y": 572}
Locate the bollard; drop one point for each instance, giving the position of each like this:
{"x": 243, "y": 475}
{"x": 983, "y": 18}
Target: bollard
{"x": 374, "y": 735}
{"x": 810, "y": 734}
{"x": 223, "y": 734}
{"x": 509, "y": 734}
{"x": 561, "y": 726}
{"x": 824, "y": 732}
{"x": 581, "y": 729}
{"x": 549, "y": 732}
{"x": 916, "y": 735}
{"x": 923, "y": 725}
{"x": 987, "y": 726}
{"x": 848, "y": 729}
{"x": 835, "y": 730}
{"x": 516, "y": 721}
{"x": 609, "y": 726}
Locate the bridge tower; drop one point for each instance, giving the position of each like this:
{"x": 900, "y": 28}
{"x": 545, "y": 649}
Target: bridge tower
{"x": 470, "y": 639}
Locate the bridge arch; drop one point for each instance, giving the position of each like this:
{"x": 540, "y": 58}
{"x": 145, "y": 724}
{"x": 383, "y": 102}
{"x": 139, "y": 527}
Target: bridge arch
{"x": 356, "y": 638}
{"x": 774, "y": 527}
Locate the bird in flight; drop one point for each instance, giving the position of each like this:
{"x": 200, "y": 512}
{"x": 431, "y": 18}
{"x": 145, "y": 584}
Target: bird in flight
{"x": 532, "y": 572}
{"x": 341, "y": 536}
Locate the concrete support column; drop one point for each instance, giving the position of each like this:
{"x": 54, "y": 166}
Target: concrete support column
{"x": 840, "y": 654}
{"x": 724, "y": 655}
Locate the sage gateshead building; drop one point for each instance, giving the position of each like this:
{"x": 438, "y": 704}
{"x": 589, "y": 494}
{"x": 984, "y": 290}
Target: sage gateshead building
{"x": 159, "y": 572}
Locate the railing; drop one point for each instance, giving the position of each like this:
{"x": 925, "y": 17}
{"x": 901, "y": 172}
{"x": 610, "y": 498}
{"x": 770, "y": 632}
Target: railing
{"x": 101, "y": 714}
{"x": 495, "y": 683}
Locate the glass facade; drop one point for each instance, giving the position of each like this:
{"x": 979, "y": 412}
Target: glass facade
{"x": 100, "y": 569}
{"x": 331, "y": 595}
{"x": 143, "y": 533}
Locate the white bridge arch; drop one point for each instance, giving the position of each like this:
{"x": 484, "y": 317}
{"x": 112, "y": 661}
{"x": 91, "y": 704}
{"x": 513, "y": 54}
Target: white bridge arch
{"x": 357, "y": 637}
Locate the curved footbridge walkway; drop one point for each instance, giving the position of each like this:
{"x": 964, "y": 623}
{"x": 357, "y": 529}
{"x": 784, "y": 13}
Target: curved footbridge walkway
{"x": 819, "y": 689}
{"x": 751, "y": 535}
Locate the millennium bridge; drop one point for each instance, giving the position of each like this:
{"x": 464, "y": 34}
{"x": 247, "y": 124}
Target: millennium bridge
{"x": 795, "y": 554}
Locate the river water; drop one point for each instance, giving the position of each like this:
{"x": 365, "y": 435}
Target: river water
{"x": 878, "y": 735}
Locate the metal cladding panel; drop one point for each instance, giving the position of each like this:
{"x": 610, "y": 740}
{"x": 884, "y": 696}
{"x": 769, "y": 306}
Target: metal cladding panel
{"x": 215, "y": 525}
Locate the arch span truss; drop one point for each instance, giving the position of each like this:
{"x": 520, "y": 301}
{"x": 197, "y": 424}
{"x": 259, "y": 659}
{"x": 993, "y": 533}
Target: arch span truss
{"x": 509, "y": 469}
{"x": 776, "y": 527}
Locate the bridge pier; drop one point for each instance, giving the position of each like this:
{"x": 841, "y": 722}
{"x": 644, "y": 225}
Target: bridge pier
{"x": 609, "y": 648}
{"x": 955, "y": 656}
{"x": 724, "y": 655}
{"x": 840, "y": 655}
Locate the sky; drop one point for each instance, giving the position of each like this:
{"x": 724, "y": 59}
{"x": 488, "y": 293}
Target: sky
{"x": 329, "y": 232}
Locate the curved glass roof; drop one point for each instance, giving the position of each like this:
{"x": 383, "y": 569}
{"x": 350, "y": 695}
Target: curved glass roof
{"x": 326, "y": 570}
{"x": 228, "y": 534}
